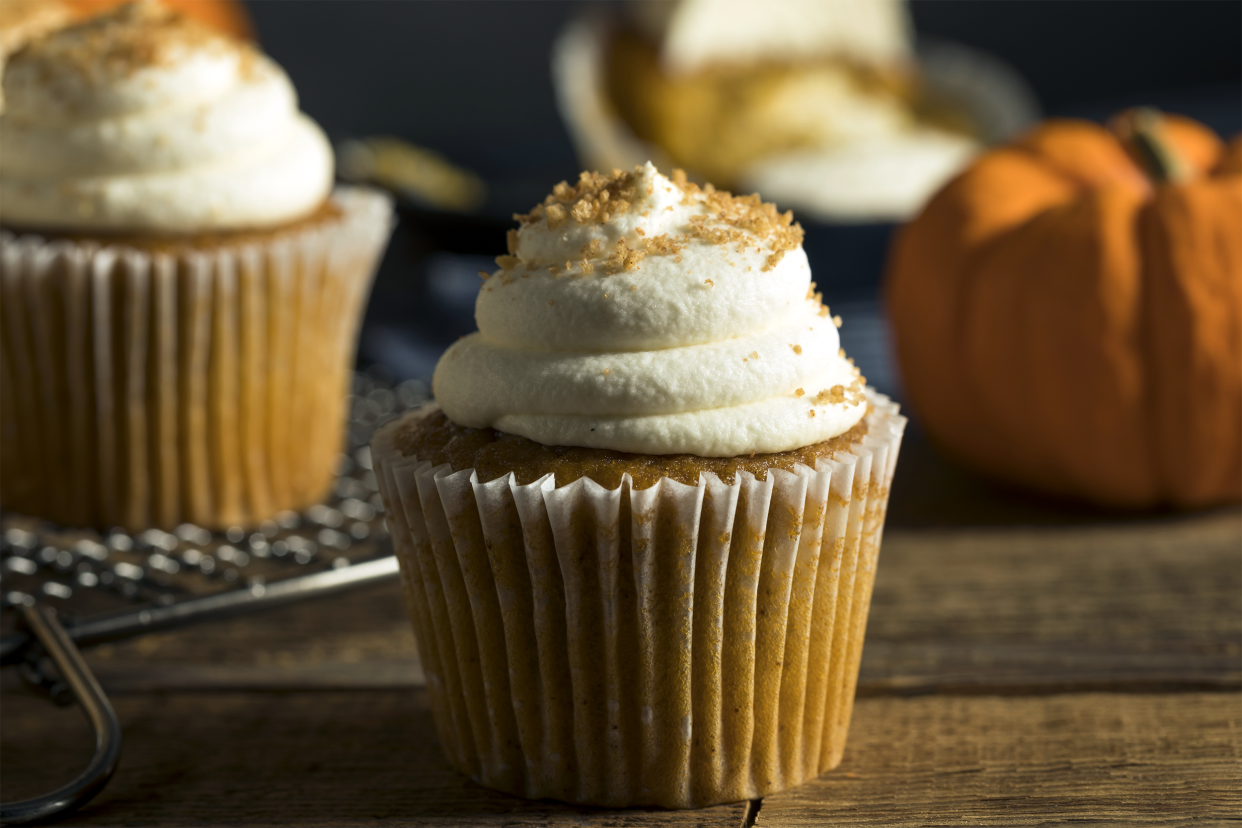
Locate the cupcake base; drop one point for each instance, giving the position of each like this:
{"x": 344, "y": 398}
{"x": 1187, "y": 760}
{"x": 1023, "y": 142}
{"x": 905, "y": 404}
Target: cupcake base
{"x": 675, "y": 645}
{"x": 151, "y": 385}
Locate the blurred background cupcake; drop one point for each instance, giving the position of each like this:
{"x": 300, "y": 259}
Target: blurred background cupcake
{"x": 181, "y": 283}
{"x": 824, "y": 107}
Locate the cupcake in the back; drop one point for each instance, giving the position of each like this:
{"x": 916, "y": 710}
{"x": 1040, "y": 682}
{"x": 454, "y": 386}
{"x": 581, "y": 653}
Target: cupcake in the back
{"x": 181, "y": 283}
{"x": 638, "y": 532}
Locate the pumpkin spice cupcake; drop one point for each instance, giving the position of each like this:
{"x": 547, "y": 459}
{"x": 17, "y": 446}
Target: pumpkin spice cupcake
{"x": 181, "y": 284}
{"x": 638, "y": 532}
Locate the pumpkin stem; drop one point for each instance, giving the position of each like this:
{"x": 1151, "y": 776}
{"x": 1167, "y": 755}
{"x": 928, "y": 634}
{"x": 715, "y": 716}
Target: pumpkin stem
{"x": 1141, "y": 130}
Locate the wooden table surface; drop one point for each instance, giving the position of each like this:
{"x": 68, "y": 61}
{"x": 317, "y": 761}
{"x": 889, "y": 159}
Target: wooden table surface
{"x": 1082, "y": 671}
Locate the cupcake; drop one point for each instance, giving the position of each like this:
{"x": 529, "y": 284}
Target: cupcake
{"x": 638, "y": 529}
{"x": 181, "y": 283}
{"x": 823, "y": 106}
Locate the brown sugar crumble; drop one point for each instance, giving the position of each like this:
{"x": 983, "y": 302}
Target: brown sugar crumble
{"x": 622, "y": 258}
{"x": 125, "y": 40}
{"x": 835, "y": 394}
{"x": 596, "y": 198}
{"x": 492, "y": 454}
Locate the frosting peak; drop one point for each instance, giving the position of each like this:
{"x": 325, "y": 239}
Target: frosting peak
{"x": 645, "y": 314}
{"x": 142, "y": 119}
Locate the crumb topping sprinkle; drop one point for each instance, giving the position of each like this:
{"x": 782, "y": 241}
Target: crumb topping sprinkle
{"x": 735, "y": 223}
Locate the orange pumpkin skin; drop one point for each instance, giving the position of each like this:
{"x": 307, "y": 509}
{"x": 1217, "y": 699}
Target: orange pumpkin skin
{"x": 227, "y": 16}
{"x": 1066, "y": 324}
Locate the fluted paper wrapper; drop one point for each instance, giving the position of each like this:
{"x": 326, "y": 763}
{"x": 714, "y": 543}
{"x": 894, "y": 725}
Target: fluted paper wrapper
{"x": 677, "y": 646}
{"x": 205, "y": 386}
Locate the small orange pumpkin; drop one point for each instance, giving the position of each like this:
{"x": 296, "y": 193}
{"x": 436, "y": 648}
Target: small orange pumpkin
{"x": 227, "y": 16}
{"x": 1068, "y": 312}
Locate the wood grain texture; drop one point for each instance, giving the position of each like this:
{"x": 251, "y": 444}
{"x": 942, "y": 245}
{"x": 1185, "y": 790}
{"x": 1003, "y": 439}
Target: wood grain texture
{"x": 972, "y": 711}
{"x": 1141, "y": 606}
{"x": 362, "y": 626}
{"x": 304, "y": 759}
{"x": 1101, "y": 759}
{"x": 1172, "y": 583}
{"x": 1146, "y": 605}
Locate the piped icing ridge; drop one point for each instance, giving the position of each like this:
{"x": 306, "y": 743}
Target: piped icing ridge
{"x": 144, "y": 120}
{"x": 645, "y": 314}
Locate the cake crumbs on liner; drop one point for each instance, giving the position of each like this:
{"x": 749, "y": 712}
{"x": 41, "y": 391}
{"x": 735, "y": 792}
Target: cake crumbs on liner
{"x": 799, "y": 393}
{"x": 797, "y": 349}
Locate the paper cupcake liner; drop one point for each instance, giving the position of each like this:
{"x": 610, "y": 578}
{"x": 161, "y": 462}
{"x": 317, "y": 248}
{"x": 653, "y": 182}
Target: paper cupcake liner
{"x": 677, "y": 646}
{"x": 204, "y": 386}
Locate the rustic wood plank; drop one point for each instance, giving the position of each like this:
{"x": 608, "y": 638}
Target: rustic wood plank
{"x": 366, "y": 625}
{"x": 1138, "y": 606}
{"x": 1172, "y": 582}
{"x": 299, "y": 759}
{"x": 1102, "y": 759}
{"x": 1143, "y": 605}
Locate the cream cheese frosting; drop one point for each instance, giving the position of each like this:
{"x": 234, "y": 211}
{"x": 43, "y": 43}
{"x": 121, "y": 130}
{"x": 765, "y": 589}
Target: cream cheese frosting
{"x": 643, "y": 314}
{"x": 144, "y": 120}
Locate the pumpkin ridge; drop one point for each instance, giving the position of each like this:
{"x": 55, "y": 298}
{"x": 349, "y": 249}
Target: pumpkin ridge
{"x": 1065, "y": 324}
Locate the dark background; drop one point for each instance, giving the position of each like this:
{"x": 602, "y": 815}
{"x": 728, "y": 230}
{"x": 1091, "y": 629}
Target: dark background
{"x": 471, "y": 79}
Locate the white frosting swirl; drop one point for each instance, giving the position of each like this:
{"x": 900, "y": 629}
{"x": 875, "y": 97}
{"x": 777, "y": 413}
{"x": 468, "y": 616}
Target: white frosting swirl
{"x": 142, "y": 120}
{"x": 711, "y": 344}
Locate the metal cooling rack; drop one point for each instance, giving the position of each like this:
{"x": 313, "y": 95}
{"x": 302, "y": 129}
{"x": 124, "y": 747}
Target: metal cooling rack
{"x": 114, "y": 585}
